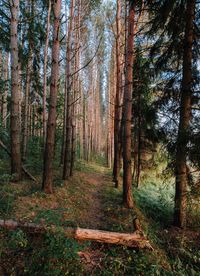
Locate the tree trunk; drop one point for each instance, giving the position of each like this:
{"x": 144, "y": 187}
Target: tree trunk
{"x": 5, "y": 93}
{"x": 62, "y": 156}
{"x": 1, "y": 77}
{"x": 139, "y": 142}
{"x": 84, "y": 129}
{"x": 184, "y": 121}
{"x": 15, "y": 97}
{"x": 67, "y": 156}
{"x": 51, "y": 126}
{"x": 117, "y": 119}
{"x": 72, "y": 148}
{"x": 127, "y": 113}
{"x": 26, "y": 106}
{"x": 45, "y": 73}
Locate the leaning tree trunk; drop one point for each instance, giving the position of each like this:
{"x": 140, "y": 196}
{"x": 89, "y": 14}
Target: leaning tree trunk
{"x": 51, "y": 126}
{"x": 15, "y": 97}
{"x": 184, "y": 121}
{"x": 127, "y": 111}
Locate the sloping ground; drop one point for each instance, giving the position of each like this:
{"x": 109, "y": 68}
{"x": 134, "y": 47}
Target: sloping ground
{"x": 87, "y": 200}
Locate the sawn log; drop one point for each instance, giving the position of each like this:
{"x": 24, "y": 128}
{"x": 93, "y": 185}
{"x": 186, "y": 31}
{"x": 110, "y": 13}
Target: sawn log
{"x": 135, "y": 240}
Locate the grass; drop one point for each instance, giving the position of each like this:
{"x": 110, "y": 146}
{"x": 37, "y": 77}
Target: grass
{"x": 156, "y": 202}
{"x": 182, "y": 248}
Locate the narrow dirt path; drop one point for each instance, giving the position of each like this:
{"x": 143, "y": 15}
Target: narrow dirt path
{"x": 104, "y": 208}
{"x": 96, "y": 209}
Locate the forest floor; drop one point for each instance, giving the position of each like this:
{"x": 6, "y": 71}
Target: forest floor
{"x": 87, "y": 200}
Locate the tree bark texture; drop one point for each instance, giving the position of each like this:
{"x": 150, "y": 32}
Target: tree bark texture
{"x": 15, "y": 94}
{"x": 117, "y": 119}
{"x": 45, "y": 73}
{"x": 184, "y": 120}
{"x": 127, "y": 112}
{"x": 5, "y": 92}
{"x": 68, "y": 84}
{"x": 51, "y": 126}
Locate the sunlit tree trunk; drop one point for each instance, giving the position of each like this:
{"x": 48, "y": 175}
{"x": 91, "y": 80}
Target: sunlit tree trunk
{"x": 51, "y": 125}
{"x": 15, "y": 96}
{"x": 127, "y": 112}
{"x": 184, "y": 121}
{"x": 117, "y": 119}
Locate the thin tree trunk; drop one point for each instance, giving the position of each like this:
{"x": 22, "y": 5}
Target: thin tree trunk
{"x": 51, "y": 126}
{"x": 84, "y": 129}
{"x": 127, "y": 105}
{"x": 15, "y": 97}
{"x": 5, "y": 93}
{"x": 1, "y": 77}
{"x": 45, "y": 73}
{"x": 26, "y": 106}
{"x": 67, "y": 157}
{"x": 117, "y": 119}
{"x": 62, "y": 157}
{"x": 139, "y": 142}
{"x": 184, "y": 121}
{"x": 72, "y": 148}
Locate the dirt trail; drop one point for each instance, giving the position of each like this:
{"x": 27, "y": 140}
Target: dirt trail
{"x": 96, "y": 208}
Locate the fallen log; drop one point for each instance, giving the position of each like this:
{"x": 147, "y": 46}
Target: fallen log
{"x": 23, "y": 168}
{"x": 135, "y": 240}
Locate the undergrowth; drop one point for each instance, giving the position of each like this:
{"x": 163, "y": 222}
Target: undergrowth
{"x": 175, "y": 252}
{"x": 47, "y": 254}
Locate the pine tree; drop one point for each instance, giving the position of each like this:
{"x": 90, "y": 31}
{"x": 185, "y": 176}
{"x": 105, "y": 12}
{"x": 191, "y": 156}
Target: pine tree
{"x": 15, "y": 119}
{"x": 51, "y": 126}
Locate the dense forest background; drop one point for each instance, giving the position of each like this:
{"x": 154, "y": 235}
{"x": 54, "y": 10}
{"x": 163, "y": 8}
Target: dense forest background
{"x": 100, "y": 129}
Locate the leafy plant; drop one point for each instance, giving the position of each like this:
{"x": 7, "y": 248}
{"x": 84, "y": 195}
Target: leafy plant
{"x": 18, "y": 239}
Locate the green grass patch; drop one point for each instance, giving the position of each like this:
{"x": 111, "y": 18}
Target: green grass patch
{"x": 156, "y": 201}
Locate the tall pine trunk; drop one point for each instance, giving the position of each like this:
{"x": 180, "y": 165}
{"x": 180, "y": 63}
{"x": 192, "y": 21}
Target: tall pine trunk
{"x": 45, "y": 73}
{"x": 1, "y": 77}
{"x": 51, "y": 125}
{"x": 15, "y": 96}
{"x": 127, "y": 110}
{"x": 67, "y": 155}
{"x": 5, "y": 93}
{"x": 184, "y": 121}
{"x": 117, "y": 119}
{"x": 26, "y": 105}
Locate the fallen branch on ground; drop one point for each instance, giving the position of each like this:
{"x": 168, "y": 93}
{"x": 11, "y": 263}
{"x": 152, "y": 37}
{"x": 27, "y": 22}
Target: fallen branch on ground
{"x": 23, "y": 168}
{"x": 136, "y": 239}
